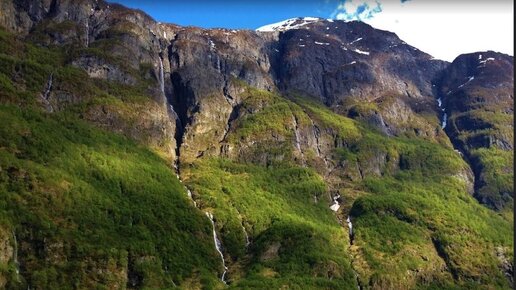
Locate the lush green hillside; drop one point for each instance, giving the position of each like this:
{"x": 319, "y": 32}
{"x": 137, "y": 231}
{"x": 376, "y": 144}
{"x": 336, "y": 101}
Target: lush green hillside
{"x": 415, "y": 226}
{"x": 81, "y": 200}
{"x": 89, "y": 198}
{"x": 88, "y": 208}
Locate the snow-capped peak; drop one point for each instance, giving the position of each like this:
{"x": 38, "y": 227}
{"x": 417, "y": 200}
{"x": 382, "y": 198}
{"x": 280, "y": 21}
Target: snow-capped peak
{"x": 293, "y": 23}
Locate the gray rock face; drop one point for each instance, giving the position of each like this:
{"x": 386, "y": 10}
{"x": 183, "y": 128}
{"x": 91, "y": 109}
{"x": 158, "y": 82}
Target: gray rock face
{"x": 338, "y": 60}
{"x": 352, "y": 68}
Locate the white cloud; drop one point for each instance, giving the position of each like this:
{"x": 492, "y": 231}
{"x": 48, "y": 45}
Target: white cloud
{"x": 356, "y": 9}
{"x": 443, "y": 29}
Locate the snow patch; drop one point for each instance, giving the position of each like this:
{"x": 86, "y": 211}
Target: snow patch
{"x": 483, "y": 62}
{"x": 321, "y": 43}
{"x": 361, "y": 52}
{"x": 293, "y": 23}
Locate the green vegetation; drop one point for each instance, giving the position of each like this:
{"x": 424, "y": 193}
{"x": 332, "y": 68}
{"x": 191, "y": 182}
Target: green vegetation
{"x": 265, "y": 113}
{"x": 296, "y": 240}
{"x": 497, "y": 177}
{"x": 80, "y": 198}
{"x": 26, "y": 68}
{"x": 407, "y": 222}
{"x": 93, "y": 209}
{"x": 89, "y": 209}
{"x": 418, "y": 217}
{"x": 345, "y": 128}
{"x": 486, "y": 134}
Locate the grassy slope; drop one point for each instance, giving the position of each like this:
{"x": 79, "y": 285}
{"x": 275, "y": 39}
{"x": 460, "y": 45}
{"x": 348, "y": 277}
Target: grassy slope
{"x": 494, "y": 165}
{"x": 295, "y": 241}
{"x": 88, "y": 207}
{"x": 415, "y": 227}
{"x": 60, "y": 177}
{"x": 424, "y": 209}
{"x": 98, "y": 198}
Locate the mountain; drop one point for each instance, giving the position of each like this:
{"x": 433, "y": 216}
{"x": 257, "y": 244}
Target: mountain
{"x": 311, "y": 154}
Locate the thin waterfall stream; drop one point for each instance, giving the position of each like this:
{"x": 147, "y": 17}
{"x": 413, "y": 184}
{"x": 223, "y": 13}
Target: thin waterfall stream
{"x": 351, "y": 236}
{"x": 217, "y": 242}
{"x": 218, "y": 246}
{"x": 15, "y": 256}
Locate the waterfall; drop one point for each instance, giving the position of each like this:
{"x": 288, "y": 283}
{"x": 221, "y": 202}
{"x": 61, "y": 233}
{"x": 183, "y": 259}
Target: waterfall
{"x": 350, "y": 225}
{"x": 189, "y": 193}
{"x": 87, "y": 32}
{"x": 216, "y": 241}
{"x": 298, "y": 140}
{"x": 161, "y": 76}
{"x": 46, "y": 94}
{"x": 218, "y": 247}
{"x": 444, "y": 119}
{"x": 15, "y": 257}
{"x": 247, "y": 241}
{"x": 296, "y": 134}
{"x": 335, "y": 206}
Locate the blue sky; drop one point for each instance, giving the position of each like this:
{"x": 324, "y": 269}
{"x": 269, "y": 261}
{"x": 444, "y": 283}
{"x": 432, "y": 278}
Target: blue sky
{"x": 244, "y": 14}
{"x": 442, "y": 28}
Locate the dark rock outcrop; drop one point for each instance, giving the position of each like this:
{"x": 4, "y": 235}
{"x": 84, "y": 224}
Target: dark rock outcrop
{"x": 477, "y": 94}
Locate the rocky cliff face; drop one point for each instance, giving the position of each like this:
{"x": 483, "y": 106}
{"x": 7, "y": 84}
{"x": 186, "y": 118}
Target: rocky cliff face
{"x": 341, "y": 113}
{"x": 477, "y": 94}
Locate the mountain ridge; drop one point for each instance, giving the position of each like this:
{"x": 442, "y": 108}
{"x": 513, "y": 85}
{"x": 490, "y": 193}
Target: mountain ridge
{"x": 286, "y": 140}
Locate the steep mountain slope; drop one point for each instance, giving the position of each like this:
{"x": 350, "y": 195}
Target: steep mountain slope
{"x": 477, "y": 92}
{"x": 316, "y": 150}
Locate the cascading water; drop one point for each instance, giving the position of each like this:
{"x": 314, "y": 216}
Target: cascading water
{"x": 218, "y": 246}
{"x": 15, "y": 257}
{"x": 49, "y": 87}
{"x": 298, "y": 139}
{"x": 296, "y": 134}
{"x": 350, "y": 226}
{"x": 87, "y": 33}
{"x": 247, "y": 241}
{"x": 190, "y": 196}
{"x": 444, "y": 119}
{"x": 335, "y": 206}
{"x": 161, "y": 76}
{"x": 46, "y": 94}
